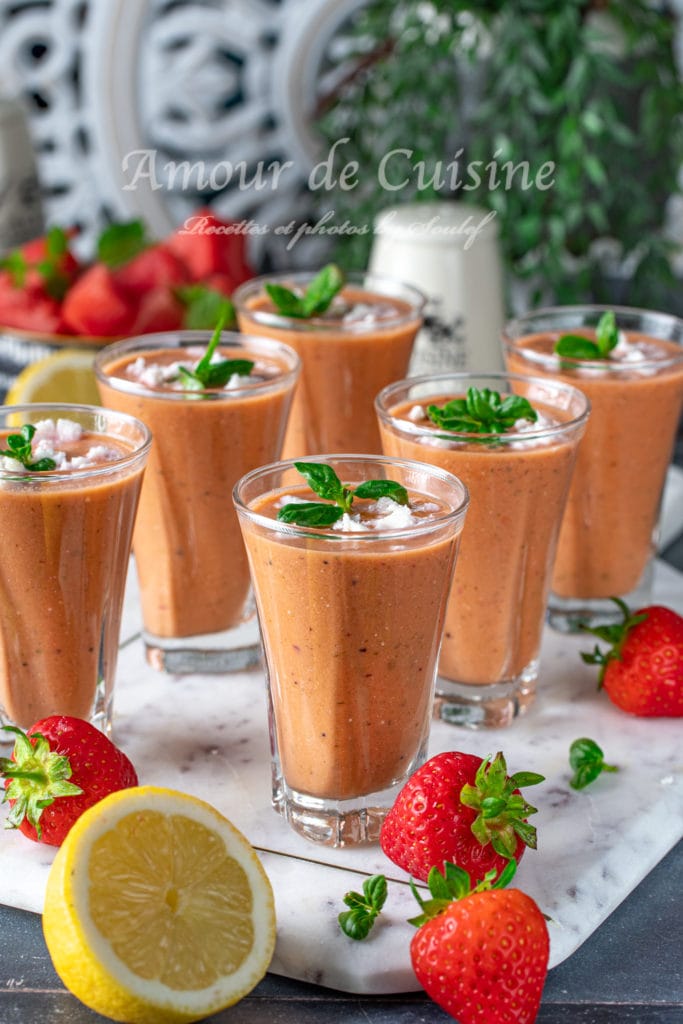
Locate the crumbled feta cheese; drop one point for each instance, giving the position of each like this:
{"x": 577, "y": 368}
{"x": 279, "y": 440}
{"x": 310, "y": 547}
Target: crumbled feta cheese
{"x": 416, "y": 414}
{"x": 393, "y": 516}
{"x": 350, "y": 524}
{"x": 68, "y": 430}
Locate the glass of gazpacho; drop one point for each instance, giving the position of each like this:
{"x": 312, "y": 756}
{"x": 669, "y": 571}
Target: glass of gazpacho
{"x": 629, "y": 362}
{"x": 70, "y": 478}
{"x": 355, "y": 340}
{"x": 513, "y": 441}
{"x": 217, "y": 407}
{"x": 352, "y": 558}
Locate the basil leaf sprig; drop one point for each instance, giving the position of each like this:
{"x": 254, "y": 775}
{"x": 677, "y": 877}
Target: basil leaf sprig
{"x": 482, "y": 412}
{"x": 587, "y": 761}
{"x": 19, "y": 448}
{"x": 364, "y": 908}
{"x": 574, "y": 346}
{"x": 315, "y": 300}
{"x": 323, "y": 480}
{"x": 213, "y": 375}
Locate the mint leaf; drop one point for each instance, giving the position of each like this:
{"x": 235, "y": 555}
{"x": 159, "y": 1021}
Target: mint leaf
{"x": 16, "y": 266}
{"x": 322, "y": 289}
{"x": 481, "y": 412}
{"x": 586, "y": 760}
{"x": 205, "y": 307}
{"x": 309, "y": 513}
{"x": 285, "y": 301}
{"x": 315, "y": 300}
{"x": 119, "y": 243}
{"x": 322, "y": 479}
{"x": 607, "y": 334}
{"x": 382, "y": 489}
{"x": 213, "y": 375}
{"x": 20, "y": 449}
{"x": 575, "y": 346}
{"x": 364, "y": 907}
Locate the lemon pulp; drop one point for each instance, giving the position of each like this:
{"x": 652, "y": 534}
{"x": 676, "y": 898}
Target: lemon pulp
{"x": 158, "y": 909}
{"x": 64, "y": 376}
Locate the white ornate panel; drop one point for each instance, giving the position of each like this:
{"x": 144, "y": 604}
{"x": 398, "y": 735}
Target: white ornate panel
{"x": 214, "y": 83}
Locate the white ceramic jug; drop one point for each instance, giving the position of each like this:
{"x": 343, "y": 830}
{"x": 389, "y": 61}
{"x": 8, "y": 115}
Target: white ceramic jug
{"x": 449, "y": 250}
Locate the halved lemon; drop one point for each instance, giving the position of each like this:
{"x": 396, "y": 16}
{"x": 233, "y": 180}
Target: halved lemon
{"x": 158, "y": 909}
{"x": 64, "y": 376}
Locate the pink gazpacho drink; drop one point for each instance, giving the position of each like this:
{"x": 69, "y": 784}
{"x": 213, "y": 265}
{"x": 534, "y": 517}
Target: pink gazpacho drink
{"x": 351, "y": 592}
{"x": 70, "y": 478}
{"x": 630, "y": 365}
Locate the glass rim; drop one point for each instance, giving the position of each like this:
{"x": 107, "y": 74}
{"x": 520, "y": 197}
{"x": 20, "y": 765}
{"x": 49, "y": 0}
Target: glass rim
{"x": 393, "y": 288}
{"x": 507, "y": 438}
{"x": 185, "y": 339}
{"x": 453, "y": 515}
{"x": 125, "y": 461}
{"x": 519, "y": 327}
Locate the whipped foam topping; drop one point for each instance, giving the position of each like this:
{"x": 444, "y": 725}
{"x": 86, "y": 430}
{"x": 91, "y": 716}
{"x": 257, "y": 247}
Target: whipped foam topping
{"x": 49, "y": 442}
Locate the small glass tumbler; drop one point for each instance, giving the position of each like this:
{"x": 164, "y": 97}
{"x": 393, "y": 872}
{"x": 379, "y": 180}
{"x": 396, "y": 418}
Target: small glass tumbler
{"x": 518, "y": 483}
{"x": 351, "y": 625}
{"x": 363, "y": 342}
{"x": 610, "y": 528}
{"x": 197, "y": 608}
{"x": 64, "y": 557}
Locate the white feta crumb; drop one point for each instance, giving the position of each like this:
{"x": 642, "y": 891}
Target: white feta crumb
{"x": 68, "y": 430}
{"x": 350, "y": 524}
{"x": 416, "y": 414}
{"x": 291, "y": 499}
{"x": 393, "y": 516}
{"x": 9, "y": 465}
{"x": 45, "y": 429}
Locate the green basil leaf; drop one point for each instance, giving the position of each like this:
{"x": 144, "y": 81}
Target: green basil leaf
{"x": 285, "y": 300}
{"x": 322, "y": 289}
{"x": 606, "y": 333}
{"x": 573, "y": 346}
{"x": 382, "y": 489}
{"x": 310, "y": 513}
{"x": 119, "y": 243}
{"x": 322, "y": 479}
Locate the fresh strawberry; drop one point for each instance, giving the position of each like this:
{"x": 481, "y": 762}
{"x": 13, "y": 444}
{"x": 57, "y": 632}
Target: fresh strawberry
{"x": 97, "y": 306}
{"x": 209, "y": 246}
{"x": 460, "y": 808}
{"x": 155, "y": 267}
{"x": 642, "y": 671}
{"x": 482, "y": 953}
{"x": 62, "y": 766}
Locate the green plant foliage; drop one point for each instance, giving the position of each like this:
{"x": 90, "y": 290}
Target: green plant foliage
{"x": 590, "y": 87}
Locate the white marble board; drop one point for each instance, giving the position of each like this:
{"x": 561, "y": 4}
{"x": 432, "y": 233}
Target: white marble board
{"x": 207, "y": 735}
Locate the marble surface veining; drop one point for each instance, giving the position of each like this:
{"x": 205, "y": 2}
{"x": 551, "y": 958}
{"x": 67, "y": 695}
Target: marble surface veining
{"x": 208, "y": 736}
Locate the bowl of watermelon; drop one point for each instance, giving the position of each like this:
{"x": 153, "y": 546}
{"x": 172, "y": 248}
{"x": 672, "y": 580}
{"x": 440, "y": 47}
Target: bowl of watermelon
{"x": 50, "y": 299}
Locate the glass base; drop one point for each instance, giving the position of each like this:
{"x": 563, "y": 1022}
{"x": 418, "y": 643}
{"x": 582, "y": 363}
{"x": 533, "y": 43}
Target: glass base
{"x": 100, "y": 716}
{"x": 574, "y": 614}
{"x": 233, "y": 650}
{"x": 488, "y": 706}
{"x": 330, "y": 822}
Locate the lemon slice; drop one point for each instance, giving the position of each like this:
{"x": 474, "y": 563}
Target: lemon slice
{"x": 64, "y": 376}
{"x": 158, "y": 909}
